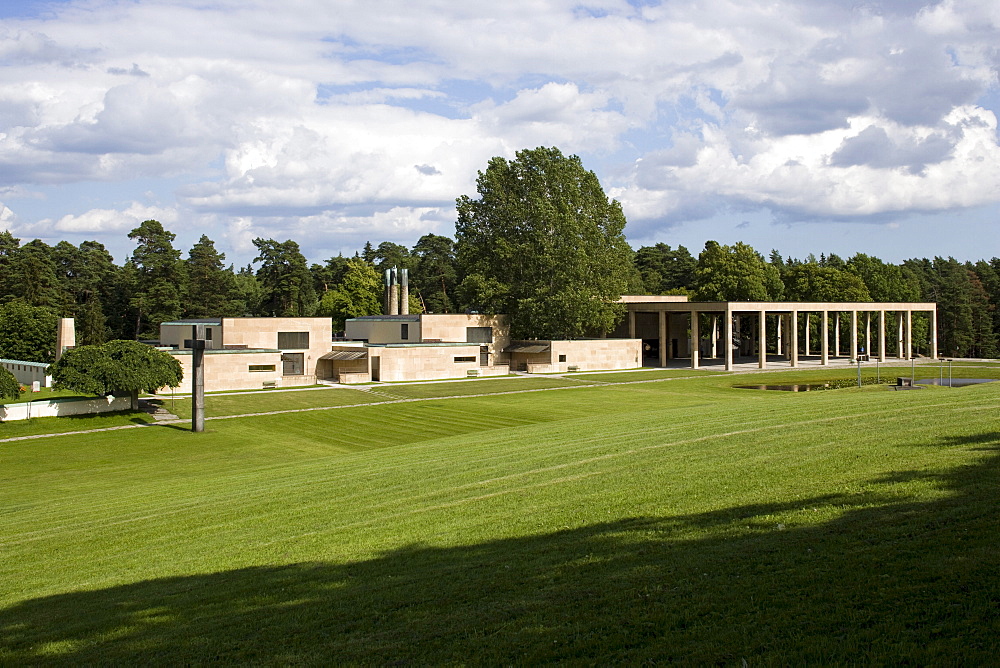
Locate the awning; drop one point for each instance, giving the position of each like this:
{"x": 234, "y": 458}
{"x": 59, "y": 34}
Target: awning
{"x": 527, "y": 348}
{"x": 342, "y": 355}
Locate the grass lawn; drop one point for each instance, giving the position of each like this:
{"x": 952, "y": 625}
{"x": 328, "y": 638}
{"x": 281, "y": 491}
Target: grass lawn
{"x": 681, "y": 520}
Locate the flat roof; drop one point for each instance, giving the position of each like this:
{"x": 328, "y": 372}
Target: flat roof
{"x": 730, "y": 307}
{"x": 195, "y": 321}
{"x": 386, "y": 318}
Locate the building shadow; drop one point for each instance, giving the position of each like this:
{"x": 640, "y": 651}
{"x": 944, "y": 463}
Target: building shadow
{"x": 889, "y": 580}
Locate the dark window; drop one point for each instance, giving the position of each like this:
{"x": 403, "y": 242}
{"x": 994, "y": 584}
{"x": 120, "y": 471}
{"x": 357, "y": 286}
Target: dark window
{"x": 465, "y": 359}
{"x": 293, "y": 340}
{"x": 404, "y": 331}
{"x": 562, "y": 358}
{"x": 208, "y": 333}
{"x": 479, "y": 334}
{"x": 261, "y": 367}
{"x": 292, "y": 364}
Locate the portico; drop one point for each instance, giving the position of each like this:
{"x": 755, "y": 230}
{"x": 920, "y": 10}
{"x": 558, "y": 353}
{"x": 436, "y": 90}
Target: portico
{"x": 789, "y": 330}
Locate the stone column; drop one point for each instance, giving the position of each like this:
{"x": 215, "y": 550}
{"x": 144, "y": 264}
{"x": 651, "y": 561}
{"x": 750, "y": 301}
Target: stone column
{"x": 881, "y": 335}
{"x": 631, "y": 324}
{"x": 661, "y": 330}
{"x": 65, "y": 336}
{"x": 807, "y": 334}
{"x": 854, "y": 335}
{"x": 781, "y": 326}
{"x": 934, "y": 342}
{"x": 670, "y": 337}
{"x": 762, "y": 340}
{"x": 909, "y": 334}
{"x": 715, "y": 337}
{"x": 868, "y": 332}
{"x": 825, "y": 340}
{"x": 793, "y": 338}
{"x": 694, "y": 339}
{"x": 899, "y": 334}
{"x": 727, "y": 344}
{"x": 836, "y": 334}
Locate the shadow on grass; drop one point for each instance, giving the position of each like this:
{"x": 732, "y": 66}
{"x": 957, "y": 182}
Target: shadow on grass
{"x": 889, "y": 581}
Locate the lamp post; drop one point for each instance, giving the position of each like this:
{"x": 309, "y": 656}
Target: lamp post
{"x": 859, "y": 370}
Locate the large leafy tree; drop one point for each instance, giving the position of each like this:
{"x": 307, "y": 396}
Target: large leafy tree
{"x": 359, "y": 294}
{"x": 9, "y": 387}
{"x": 27, "y": 332}
{"x": 885, "y": 282}
{"x": 813, "y": 282}
{"x": 544, "y": 244}
{"x": 735, "y": 273}
{"x": 285, "y": 278}
{"x": 116, "y": 367}
{"x": 159, "y": 277}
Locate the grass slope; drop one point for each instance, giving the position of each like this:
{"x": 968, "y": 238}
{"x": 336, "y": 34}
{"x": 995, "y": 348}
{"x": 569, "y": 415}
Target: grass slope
{"x": 677, "y": 520}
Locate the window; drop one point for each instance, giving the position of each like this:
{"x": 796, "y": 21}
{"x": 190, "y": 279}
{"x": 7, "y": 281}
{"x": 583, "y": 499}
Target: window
{"x": 208, "y": 333}
{"x": 562, "y": 358}
{"x": 404, "y": 331}
{"x": 261, "y": 367}
{"x": 292, "y": 364}
{"x": 471, "y": 358}
{"x": 479, "y": 334}
{"x": 293, "y": 340}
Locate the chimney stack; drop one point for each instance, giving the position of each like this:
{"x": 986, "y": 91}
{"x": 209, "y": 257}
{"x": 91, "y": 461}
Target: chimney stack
{"x": 404, "y": 296}
{"x": 393, "y": 293}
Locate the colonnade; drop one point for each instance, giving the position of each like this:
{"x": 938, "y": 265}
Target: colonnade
{"x": 789, "y": 321}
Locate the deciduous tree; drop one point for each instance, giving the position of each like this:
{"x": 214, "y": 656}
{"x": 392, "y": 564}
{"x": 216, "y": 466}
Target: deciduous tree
{"x": 9, "y": 387}
{"x": 544, "y": 244}
{"x": 116, "y": 367}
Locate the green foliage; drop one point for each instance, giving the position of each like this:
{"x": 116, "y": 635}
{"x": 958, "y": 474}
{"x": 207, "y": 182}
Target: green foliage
{"x": 116, "y": 367}
{"x": 27, "y": 332}
{"x": 159, "y": 277}
{"x": 435, "y": 275}
{"x": 735, "y": 273}
{"x": 211, "y": 287}
{"x": 9, "y": 387}
{"x": 885, "y": 282}
{"x": 285, "y": 279}
{"x": 359, "y": 294}
{"x": 665, "y": 270}
{"x": 812, "y": 282}
{"x": 545, "y": 245}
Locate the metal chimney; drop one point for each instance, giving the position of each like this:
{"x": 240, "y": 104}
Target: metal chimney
{"x": 388, "y": 284}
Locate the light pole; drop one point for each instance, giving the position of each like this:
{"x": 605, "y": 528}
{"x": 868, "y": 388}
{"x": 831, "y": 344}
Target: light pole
{"x": 859, "y": 370}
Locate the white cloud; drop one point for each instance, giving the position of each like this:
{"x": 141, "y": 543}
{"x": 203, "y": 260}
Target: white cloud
{"x": 98, "y": 221}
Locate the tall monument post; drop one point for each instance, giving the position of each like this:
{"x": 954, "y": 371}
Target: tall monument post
{"x": 197, "y": 345}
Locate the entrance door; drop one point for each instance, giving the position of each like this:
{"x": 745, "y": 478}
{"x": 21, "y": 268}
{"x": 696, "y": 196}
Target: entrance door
{"x": 376, "y": 364}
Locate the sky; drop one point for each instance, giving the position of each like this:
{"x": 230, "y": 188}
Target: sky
{"x": 805, "y": 126}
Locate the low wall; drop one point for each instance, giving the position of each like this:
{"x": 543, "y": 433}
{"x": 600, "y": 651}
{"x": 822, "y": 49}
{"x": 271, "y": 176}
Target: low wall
{"x": 63, "y": 407}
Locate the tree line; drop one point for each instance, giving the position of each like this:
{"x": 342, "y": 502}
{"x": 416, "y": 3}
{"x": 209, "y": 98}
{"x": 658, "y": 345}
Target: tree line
{"x": 541, "y": 242}
{"x": 39, "y": 283}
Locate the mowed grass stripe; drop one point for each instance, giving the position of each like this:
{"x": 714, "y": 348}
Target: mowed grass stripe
{"x": 570, "y": 446}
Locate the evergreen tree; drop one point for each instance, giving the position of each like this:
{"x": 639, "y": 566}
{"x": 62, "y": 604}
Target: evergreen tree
{"x": 210, "y": 284}
{"x": 664, "y": 270}
{"x": 435, "y": 274}
{"x": 285, "y": 278}
{"x": 159, "y": 276}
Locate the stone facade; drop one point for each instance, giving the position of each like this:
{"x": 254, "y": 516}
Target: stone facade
{"x": 579, "y": 355}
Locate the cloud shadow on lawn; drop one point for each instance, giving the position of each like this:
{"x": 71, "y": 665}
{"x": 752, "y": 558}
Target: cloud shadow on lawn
{"x": 890, "y": 580}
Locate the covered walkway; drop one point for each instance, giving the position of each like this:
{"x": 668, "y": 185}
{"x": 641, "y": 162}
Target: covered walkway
{"x": 777, "y": 332}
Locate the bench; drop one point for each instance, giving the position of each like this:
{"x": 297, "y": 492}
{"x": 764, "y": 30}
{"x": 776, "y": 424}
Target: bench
{"x": 269, "y": 384}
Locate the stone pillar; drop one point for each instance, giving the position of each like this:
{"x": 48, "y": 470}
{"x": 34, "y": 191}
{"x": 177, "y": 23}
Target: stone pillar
{"x": 899, "y": 334}
{"x": 65, "y": 336}
{"x": 780, "y": 350}
{"x": 825, "y": 339}
{"x": 933, "y": 332}
{"x": 909, "y": 334}
{"x": 762, "y": 340}
{"x": 695, "y": 336}
{"x": 631, "y": 324}
{"x": 868, "y": 332}
{"x": 881, "y": 335}
{"x": 715, "y": 337}
{"x": 727, "y": 343}
{"x": 836, "y": 334}
{"x": 807, "y": 334}
{"x": 854, "y": 335}
{"x": 670, "y": 337}
{"x": 793, "y": 338}
{"x": 661, "y": 330}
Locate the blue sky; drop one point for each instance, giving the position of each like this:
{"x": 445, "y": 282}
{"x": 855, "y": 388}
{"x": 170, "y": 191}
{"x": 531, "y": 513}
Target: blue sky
{"x": 806, "y": 127}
